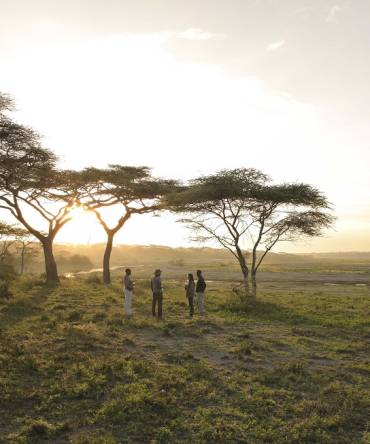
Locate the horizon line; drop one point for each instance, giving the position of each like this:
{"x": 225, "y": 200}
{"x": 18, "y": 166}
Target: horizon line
{"x": 205, "y": 247}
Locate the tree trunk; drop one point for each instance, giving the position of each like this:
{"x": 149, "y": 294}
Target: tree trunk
{"x": 50, "y": 264}
{"x": 245, "y": 271}
{"x": 22, "y": 259}
{"x": 106, "y": 258}
{"x": 254, "y": 284}
{"x": 245, "y": 281}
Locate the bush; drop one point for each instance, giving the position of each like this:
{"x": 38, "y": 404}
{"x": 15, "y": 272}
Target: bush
{"x": 93, "y": 278}
{"x": 38, "y": 428}
{"x": 75, "y": 315}
{"x": 7, "y": 272}
{"x": 90, "y": 438}
{"x": 4, "y": 290}
{"x": 29, "y": 282}
{"x": 178, "y": 262}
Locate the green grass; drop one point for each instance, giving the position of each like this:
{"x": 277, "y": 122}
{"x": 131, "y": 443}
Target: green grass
{"x": 293, "y": 367}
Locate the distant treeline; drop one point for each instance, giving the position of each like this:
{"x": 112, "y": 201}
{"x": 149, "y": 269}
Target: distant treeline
{"x": 74, "y": 258}
{"x": 71, "y": 257}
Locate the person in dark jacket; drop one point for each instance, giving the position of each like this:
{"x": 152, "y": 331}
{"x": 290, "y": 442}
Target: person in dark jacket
{"x": 157, "y": 290}
{"x": 199, "y": 291}
{"x": 190, "y": 293}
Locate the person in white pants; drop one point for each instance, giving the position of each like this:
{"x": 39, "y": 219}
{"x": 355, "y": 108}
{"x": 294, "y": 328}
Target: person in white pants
{"x": 199, "y": 291}
{"x": 128, "y": 287}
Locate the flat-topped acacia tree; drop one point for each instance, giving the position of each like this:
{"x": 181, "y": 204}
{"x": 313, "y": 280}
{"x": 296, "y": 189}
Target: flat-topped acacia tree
{"x": 129, "y": 190}
{"x": 32, "y": 190}
{"x": 248, "y": 215}
{"x": 10, "y": 235}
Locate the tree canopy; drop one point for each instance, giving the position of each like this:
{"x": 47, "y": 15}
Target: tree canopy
{"x": 247, "y": 214}
{"x": 32, "y": 190}
{"x": 130, "y": 190}
{"x": 9, "y": 235}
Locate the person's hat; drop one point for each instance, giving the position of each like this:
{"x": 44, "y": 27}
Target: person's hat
{"x": 158, "y": 271}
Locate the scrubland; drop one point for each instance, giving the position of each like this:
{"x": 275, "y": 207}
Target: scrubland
{"x": 291, "y": 367}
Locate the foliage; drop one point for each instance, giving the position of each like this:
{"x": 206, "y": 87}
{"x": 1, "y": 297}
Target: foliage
{"x": 9, "y": 235}
{"x": 29, "y": 181}
{"x": 130, "y": 190}
{"x": 74, "y": 262}
{"x": 4, "y": 289}
{"x": 241, "y": 206}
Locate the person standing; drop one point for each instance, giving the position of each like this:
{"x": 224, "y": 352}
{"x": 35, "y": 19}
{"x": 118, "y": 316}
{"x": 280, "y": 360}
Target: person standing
{"x": 128, "y": 287}
{"x": 200, "y": 290}
{"x": 157, "y": 290}
{"x": 190, "y": 293}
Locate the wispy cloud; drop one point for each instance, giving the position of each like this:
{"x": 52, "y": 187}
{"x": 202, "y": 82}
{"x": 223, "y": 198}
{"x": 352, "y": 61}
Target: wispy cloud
{"x": 305, "y": 11}
{"x": 199, "y": 34}
{"x": 156, "y": 38}
{"x": 334, "y": 13}
{"x": 275, "y": 45}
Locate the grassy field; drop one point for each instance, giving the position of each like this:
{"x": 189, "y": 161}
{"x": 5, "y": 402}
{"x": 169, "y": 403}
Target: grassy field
{"x": 293, "y": 367}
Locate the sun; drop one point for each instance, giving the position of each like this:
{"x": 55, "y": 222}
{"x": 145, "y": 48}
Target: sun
{"x": 82, "y": 228}
{"x": 77, "y": 211}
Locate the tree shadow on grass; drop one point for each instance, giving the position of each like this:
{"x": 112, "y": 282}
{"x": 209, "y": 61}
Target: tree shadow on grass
{"x": 23, "y": 306}
{"x": 268, "y": 311}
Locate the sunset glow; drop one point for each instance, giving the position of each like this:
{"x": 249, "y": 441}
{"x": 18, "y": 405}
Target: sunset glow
{"x": 169, "y": 97}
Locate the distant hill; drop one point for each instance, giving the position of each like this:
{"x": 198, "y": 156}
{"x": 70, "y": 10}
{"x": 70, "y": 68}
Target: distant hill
{"x": 72, "y": 257}
{"x": 346, "y": 256}
{"x": 142, "y": 254}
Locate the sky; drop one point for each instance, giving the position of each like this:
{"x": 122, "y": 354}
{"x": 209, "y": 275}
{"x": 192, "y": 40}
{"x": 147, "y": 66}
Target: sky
{"x": 192, "y": 87}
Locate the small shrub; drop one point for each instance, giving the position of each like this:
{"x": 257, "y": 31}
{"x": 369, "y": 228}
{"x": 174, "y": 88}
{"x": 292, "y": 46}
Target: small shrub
{"x": 4, "y": 290}
{"x": 28, "y": 282}
{"x": 178, "y": 262}
{"x": 89, "y": 438}
{"x": 245, "y": 349}
{"x": 164, "y": 435}
{"x": 93, "y": 279}
{"x": 297, "y": 368}
{"x": 75, "y": 315}
{"x": 99, "y": 317}
{"x": 7, "y": 272}
{"x": 38, "y": 428}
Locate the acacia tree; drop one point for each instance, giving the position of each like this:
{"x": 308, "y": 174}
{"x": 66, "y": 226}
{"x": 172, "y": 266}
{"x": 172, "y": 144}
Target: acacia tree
{"x": 32, "y": 190}
{"x": 9, "y": 236}
{"x": 129, "y": 190}
{"x": 248, "y": 215}
{"x": 27, "y": 250}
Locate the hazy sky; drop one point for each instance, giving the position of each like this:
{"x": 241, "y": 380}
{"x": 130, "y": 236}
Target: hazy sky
{"x": 193, "y": 86}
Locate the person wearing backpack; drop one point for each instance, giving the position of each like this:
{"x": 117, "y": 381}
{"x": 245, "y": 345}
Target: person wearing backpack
{"x": 199, "y": 291}
{"x": 128, "y": 287}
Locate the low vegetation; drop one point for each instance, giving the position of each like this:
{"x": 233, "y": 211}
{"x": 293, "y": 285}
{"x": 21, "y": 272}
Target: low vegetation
{"x": 292, "y": 367}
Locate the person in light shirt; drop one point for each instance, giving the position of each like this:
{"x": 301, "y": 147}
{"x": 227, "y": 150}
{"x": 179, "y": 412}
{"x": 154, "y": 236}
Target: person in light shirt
{"x": 190, "y": 293}
{"x": 128, "y": 287}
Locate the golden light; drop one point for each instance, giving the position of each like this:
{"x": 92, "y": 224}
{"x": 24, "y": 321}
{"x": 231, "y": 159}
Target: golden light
{"x": 82, "y": 228}
{"x": 77, "y": 210}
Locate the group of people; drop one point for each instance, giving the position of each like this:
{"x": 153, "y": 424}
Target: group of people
{"x": 194, "y": 292}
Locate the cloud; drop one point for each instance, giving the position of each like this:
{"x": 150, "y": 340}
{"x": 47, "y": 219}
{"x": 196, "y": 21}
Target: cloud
{"x": 156, "y": 38}
{"x": 333, "y": 15}
{"x": 305, "y": 12}
{"x": 199, "y": 34}
{"x": 276, "y": 45}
